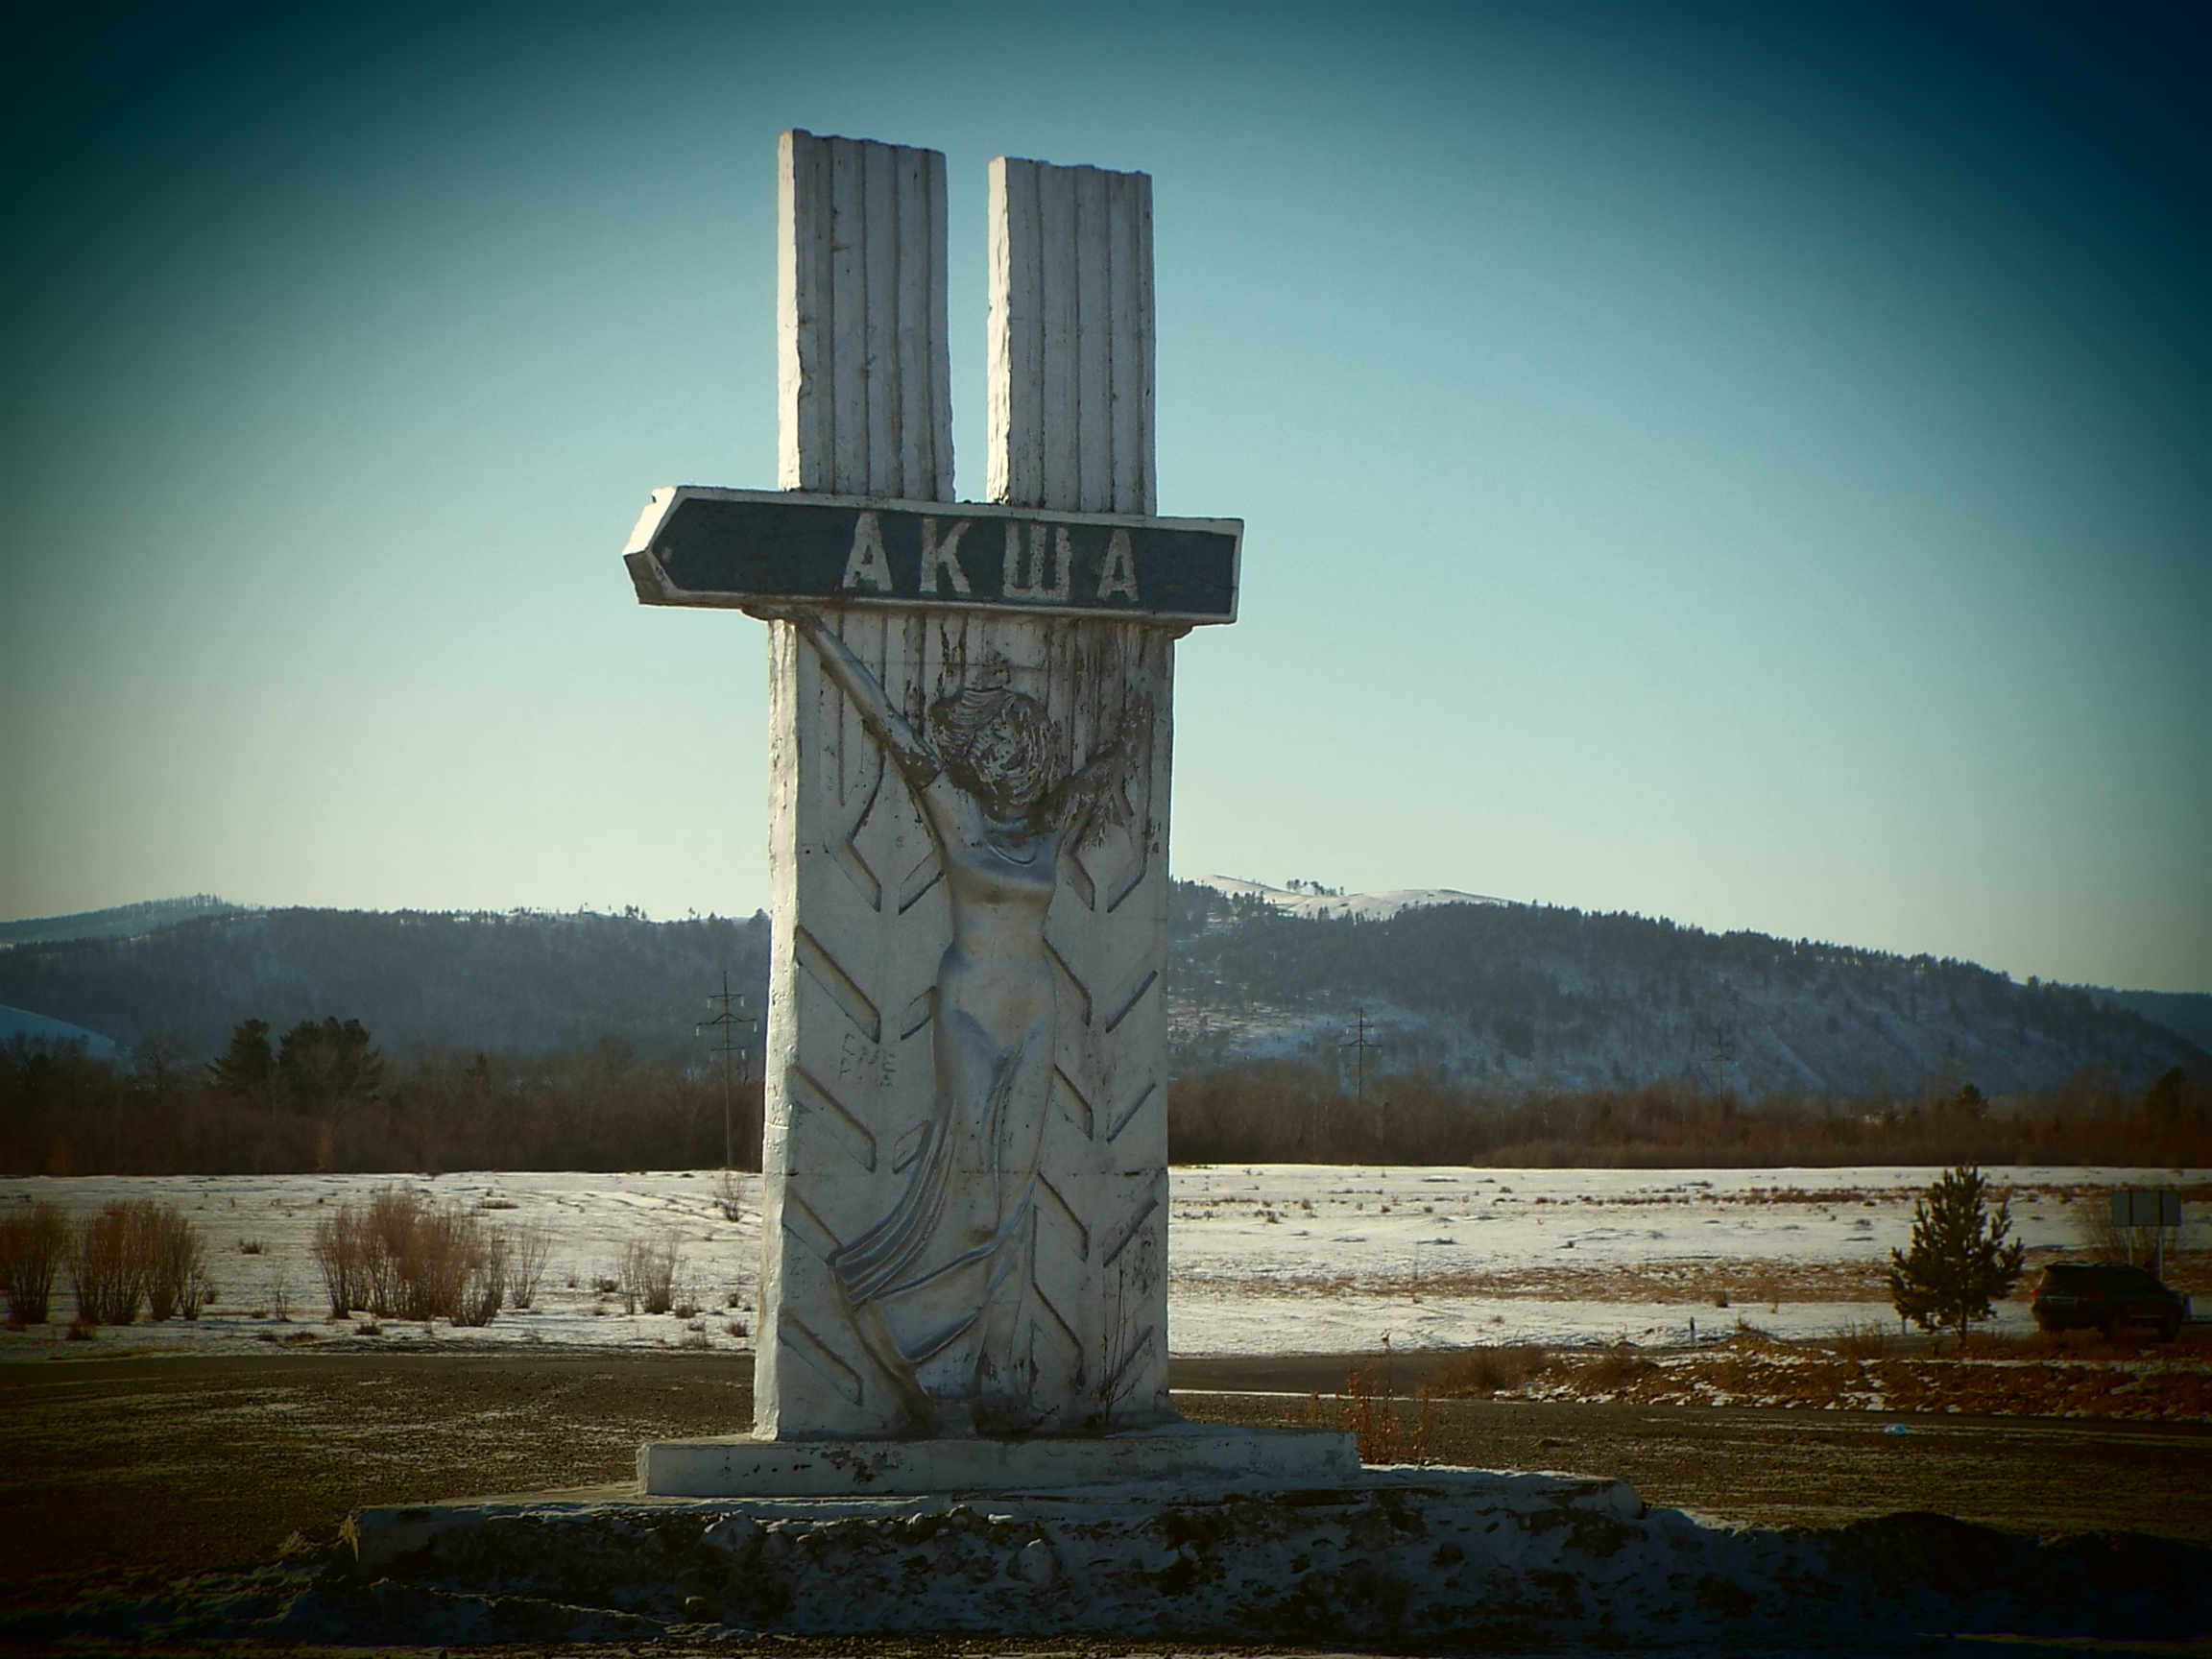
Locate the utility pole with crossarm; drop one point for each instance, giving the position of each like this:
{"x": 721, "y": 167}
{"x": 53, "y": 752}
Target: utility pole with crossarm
{"x": 728, "y": 1020}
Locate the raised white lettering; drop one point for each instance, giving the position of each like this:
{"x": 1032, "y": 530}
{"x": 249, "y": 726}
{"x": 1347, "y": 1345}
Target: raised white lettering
{"x": 1033, "y": 588}
{"x": 1118, "y": 570}
{"x": 866, "y": 567}
{"x": 941, "y": 556}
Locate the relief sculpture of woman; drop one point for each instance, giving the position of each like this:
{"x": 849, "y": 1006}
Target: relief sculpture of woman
{"x": 937, "y": 1285}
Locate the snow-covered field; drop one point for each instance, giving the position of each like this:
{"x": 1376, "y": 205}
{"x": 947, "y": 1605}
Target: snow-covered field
{"x": 1264, "y": 1259}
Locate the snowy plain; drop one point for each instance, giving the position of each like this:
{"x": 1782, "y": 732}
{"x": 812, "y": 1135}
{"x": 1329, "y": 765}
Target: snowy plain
{"x": 1264, "y": 1259}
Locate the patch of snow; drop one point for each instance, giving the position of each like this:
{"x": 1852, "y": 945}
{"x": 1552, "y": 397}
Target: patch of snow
{"x": 1363, "y": 1255}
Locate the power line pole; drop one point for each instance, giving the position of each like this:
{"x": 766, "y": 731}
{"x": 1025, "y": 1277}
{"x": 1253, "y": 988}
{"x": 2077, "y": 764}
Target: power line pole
{"x": 1723, "y": 1052}
{"x": 1359, "y": 1047}
{"x": 730, "y": 1019}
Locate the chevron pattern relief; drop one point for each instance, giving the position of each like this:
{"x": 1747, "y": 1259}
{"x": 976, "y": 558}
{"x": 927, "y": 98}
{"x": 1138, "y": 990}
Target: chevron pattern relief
{"x": 862, "y": 925}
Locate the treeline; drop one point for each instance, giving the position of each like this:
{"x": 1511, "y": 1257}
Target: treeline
{"x": 1291, "y": 1113}
{"x": 63, "y": 1112}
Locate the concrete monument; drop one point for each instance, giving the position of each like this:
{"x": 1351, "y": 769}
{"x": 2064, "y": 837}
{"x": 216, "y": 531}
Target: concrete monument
{"x": 964, "y": 1170}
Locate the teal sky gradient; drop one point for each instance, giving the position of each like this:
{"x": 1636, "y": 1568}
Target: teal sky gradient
{"x": 1745, "y": 465}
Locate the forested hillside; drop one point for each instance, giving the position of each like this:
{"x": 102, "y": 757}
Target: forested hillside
{"x": 122, "y": 922}
{"x": 348, "y": 1040}
{"x": 1506, "y": 999}
{"x": 523, "y": 983}
{"x": 1515, "y": 998}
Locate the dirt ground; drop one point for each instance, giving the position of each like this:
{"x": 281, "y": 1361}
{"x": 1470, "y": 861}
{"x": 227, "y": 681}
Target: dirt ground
{"x": 113, "y": 1470}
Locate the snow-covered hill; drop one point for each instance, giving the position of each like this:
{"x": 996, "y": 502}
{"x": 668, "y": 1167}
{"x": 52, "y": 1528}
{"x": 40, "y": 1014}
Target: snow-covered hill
{"x": 1310, "y": 900}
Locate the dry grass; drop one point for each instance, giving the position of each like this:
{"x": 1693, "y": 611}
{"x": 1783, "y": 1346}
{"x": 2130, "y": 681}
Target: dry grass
{"x": 1477, "y": 1373}
{"x": 1862, "y": 1343}
{"x": 1613, "y": 1371}
{"x": 2126, "y": 1342}
{"x": 2076, "y": 1374}
{"x": 33, "y": 1243}
{"x": 1699, "y": 1283}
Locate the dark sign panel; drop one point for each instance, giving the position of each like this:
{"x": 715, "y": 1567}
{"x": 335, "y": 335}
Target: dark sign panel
{"x": 739, "y": 547}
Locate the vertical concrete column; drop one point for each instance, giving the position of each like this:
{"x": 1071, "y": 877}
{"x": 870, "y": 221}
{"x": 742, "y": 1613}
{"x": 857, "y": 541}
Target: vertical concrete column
{"x": 943, "y": 1256}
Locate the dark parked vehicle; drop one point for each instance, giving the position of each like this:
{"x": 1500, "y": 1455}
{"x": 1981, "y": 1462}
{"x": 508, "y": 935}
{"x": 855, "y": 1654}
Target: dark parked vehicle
{"x": 2075, "y": 1295}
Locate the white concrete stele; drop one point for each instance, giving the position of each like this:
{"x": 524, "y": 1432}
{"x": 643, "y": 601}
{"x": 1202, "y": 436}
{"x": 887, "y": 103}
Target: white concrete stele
{"x": 964, "y": 1238}
{"x": 944, "y": 1257}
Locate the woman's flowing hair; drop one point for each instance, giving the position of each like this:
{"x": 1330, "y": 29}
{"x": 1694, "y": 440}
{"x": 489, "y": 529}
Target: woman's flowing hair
{"x": 956, "y": 723}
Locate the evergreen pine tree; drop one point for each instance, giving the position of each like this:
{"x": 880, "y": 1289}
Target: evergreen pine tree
{"x": 1959, "y": 1260}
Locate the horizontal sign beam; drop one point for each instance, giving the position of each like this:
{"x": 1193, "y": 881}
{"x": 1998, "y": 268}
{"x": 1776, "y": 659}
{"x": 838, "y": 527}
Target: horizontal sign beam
{"x": 741, "y": 548}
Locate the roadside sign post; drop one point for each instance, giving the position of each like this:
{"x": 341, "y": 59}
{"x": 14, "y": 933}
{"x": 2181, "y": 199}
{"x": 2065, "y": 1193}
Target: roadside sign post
{"x": 2155, "y": 1208}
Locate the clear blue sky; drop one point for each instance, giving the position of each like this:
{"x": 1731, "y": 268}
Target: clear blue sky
{"x": 1745, "y": 465}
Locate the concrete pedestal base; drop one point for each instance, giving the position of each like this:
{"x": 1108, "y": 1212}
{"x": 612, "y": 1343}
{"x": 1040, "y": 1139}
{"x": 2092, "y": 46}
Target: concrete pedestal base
{"x": 1389, "y": 1558}
{"x": 1184, "y": 1454}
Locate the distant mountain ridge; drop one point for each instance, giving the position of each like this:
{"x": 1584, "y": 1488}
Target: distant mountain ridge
{"x": 1520, "y": 998}
{"x": 522, "y": 983}
{"x": 2186, "y": 1012}
{"x": 1514, "y": 998}
{"x": 120, "y": 922}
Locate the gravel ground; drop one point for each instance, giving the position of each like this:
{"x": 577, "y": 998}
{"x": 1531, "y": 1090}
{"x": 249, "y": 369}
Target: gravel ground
{"x": 122, "y": 1471}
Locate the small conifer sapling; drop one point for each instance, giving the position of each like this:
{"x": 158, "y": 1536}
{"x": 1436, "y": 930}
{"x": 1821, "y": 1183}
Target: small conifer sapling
{"x": 1962, "y": 1258}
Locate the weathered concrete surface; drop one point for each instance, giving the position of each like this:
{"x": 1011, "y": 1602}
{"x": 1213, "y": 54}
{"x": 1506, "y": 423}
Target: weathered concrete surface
{"x": 964, "y": 1195}
{"x": 742, "y": 1466}
{"x": 1399, "y": 1558}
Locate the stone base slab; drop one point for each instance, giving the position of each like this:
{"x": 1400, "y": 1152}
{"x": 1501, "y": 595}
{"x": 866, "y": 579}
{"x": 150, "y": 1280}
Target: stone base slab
{"x": 1185, "y": 1453}
{"x": 1420, "y": 1557}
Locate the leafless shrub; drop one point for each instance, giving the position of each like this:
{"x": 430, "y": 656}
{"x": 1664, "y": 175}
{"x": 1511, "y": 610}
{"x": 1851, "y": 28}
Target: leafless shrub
{"x": 649, "y": 1272}
{"x": 32, "y": 1247}
{"x": 104, "y": 1270}
{"x": 339, "y": 1249}
{"x": 387, "y": 1246}
{"x": 251, "y": 1246}
{"x": 404, "y": 1257}
{"x": 527, "y": 1248}
{"x": 172, "y": 1262}
{"x": 485, "y": 1277}
{"x": 726, "y": 1198}
{"x": 434, "y": 1261}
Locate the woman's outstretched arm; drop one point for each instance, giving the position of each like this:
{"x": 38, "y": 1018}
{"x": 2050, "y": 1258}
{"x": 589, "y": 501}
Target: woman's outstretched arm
{"x": 906, "y": 747}
{"x": 1079, "y": 800}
